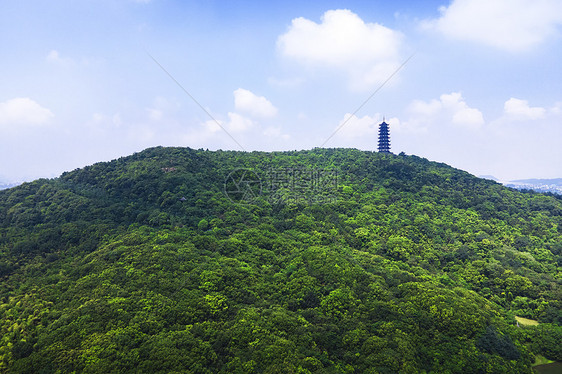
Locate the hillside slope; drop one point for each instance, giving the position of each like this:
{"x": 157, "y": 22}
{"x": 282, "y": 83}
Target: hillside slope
{"x": 321, "y": 261}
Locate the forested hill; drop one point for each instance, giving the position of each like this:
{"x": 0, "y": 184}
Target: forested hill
{"x": 320, "y": 261}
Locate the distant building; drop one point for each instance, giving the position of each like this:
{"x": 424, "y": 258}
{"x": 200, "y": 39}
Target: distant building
{"x": 384, "y": 138}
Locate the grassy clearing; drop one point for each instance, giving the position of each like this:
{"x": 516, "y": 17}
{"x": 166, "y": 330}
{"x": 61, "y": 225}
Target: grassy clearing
{"x": 541, "y": 360}
{"x": 526, "y": 321}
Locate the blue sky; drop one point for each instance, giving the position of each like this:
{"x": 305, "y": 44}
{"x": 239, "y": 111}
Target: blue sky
{"x": 482, "y": 92}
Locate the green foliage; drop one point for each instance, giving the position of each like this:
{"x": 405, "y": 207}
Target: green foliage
{"x": 493, "y": 342}
{"x": 143, "y": 264}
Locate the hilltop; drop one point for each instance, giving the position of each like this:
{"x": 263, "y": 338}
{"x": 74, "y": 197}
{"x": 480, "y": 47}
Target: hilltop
{"x": 320, "y": 261}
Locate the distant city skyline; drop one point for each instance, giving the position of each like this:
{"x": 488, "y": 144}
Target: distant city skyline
{"x": 482, "y": 92}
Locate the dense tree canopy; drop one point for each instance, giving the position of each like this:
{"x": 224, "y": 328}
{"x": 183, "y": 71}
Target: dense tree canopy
{"x": 323, "y": 261}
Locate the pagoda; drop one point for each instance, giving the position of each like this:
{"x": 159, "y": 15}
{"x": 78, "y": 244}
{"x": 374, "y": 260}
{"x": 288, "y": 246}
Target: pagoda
{"x": 384, "y": 138}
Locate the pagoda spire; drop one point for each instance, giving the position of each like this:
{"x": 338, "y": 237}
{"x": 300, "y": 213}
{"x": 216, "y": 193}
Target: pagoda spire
{"x": 384, "y": 137}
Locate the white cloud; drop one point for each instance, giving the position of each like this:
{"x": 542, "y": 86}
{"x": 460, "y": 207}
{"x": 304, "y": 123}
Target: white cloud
{"x": 450, "y": 108}
{"x": 54, "y": 58}
{"x": 367, "y": 52}
{"x": 238, "y": 123}
{"x": 218, "y": 132}
{"x": 212, "y": 126}
{"x": 356, "y": 127}
{"x": 238, "y": 126}
{"x": 468, "y": 117}
{"x": 98, "y": 117}
{"x": 23, "y": 111}
{"x": 520, "y": 109}
{"x": 154, "y": 114}
{"x": 257, "y": 106}
{"x": 102, "y": 123}
{"x": 513, "y": 25}
{"x": 413, "y": 125}
{"x": 428, "y": 109}
{"x": 162, "y": 108}
{"x": 462, "y": 114}
{"x": 397, "y": 126}
{"x": 275, "y": 132}
{"x": 116, "y": 120}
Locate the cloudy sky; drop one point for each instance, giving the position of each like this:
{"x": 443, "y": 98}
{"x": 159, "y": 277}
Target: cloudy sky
{"x": 93, "y": 80}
